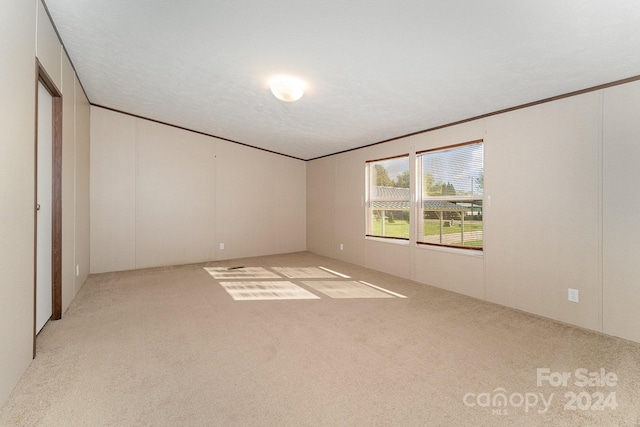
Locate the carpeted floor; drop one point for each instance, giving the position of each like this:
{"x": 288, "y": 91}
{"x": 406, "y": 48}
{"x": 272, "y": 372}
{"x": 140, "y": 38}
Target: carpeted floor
{"x": 171, "y": 347}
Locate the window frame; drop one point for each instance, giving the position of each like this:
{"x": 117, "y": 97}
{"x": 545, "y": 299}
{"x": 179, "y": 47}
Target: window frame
{"x": 421, "y": 198}
{"x": 368, "y": 200}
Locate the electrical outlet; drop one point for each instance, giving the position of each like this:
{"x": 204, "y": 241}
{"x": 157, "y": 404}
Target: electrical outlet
{"x": 221, "y": 246}
{"x": 574, "y": 295}
{"x": 341, "y": 247}
{"x": 77, "y": 270}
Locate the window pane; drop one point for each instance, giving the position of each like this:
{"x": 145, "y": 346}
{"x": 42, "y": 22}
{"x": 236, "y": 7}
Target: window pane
{"x": 452, "y": 181}
{"x": 388, "y": 198}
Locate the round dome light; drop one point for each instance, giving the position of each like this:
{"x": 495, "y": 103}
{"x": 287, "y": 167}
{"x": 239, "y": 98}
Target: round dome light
{"x": 287, "y": 88}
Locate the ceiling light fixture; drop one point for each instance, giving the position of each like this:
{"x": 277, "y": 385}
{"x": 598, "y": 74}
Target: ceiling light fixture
{"x": 287, "y": 88}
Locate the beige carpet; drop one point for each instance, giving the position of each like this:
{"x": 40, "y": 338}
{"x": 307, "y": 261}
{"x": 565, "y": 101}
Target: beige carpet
{"x": 170, "y": 347}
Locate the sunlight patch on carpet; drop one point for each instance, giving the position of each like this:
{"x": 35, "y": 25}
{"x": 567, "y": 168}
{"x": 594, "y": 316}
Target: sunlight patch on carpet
{"x": 247, "y": 291}
{"x": 335, "y": 272}
{"x": 241, "y": 273}
{"x": 346, "y": 289}
{"x": 383, "y": 289}
{"x": 303, "y": 272}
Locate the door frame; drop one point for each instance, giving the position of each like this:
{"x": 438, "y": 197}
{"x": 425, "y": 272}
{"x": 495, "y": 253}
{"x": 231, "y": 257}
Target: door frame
{"x": 56, "y": 215}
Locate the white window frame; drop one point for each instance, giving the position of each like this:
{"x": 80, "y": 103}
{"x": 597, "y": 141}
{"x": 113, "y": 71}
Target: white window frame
{"x": 458, "y": 204}
{"x": 369, "y": 202}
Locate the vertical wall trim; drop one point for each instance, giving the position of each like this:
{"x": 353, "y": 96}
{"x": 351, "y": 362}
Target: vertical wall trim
{"x": 36, "y": 41}
{"x": 413, "y": 204}
{"x": 484, "y": 210}
{"x": 601, "y": 210}
{"x": 76, "y": 277}
{"x": 216, "y": 235}
{"x": 136, "y": 171}
{"x": 35, "y": 202}
{"x": 334, "y": 240}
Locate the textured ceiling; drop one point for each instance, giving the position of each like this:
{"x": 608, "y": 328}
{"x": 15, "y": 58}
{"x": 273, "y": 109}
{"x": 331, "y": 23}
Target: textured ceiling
{"x": 375, "y": 69}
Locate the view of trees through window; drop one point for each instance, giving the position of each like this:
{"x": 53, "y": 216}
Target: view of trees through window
{"x": 382, "y": 177}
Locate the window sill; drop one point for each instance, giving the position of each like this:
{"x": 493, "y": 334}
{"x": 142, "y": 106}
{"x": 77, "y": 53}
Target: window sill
{"x": 388, "y": 240}
{"x": 457, "y": 251}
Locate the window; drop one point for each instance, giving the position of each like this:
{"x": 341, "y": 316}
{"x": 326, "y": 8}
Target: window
{"x": 451, "y": 184}
{"x": 388, "y": 198}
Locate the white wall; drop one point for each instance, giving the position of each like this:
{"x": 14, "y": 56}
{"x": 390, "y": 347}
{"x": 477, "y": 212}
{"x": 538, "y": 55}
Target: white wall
{"x": 557, "y": 214}
{"x": 164, "y": 196}
{"x": 321, "y": 211}
{"x": 112, "y": 191}
{"x": 68, "y": 178}
{"x": 349, "y": 181}
{"x": 260, "y": 202}
{"x": 543, "y": 222}
{"x": 17, "y": 180}
{"x": 81, "y": 183}
{"x": 174, "y": 184}
{"x": 26, "y": 32}
{"x": 621, "y": 233}
{"x": 48, "y": 46}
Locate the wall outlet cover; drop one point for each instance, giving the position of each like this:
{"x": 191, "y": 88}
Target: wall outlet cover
{"x": 574, "y": 295}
